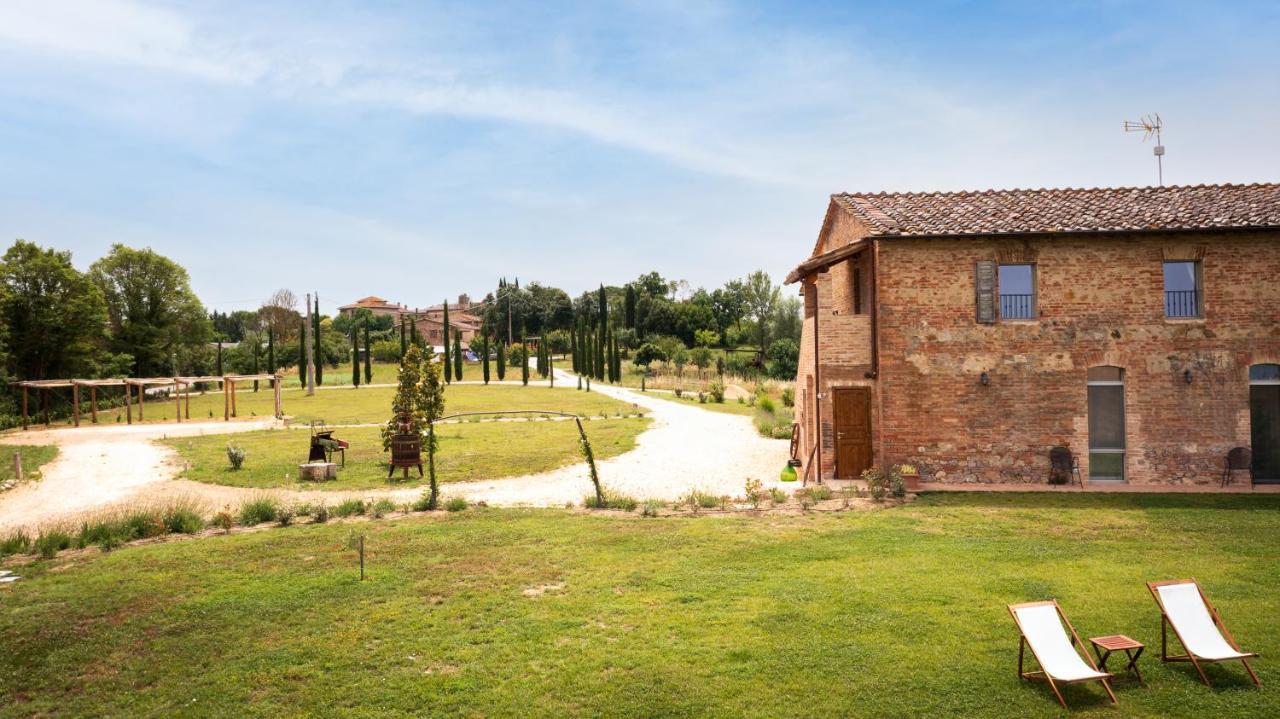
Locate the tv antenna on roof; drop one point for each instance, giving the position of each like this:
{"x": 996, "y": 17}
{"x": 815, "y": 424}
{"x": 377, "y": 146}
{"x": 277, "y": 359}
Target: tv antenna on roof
{"x": 1150, "y": 125}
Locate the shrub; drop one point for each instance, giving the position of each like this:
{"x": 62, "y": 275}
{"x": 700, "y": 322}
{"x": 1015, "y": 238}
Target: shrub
{"x": 320, "y": 514}
{"x": 766, "y": 404}
{"x": 257, "y": 511}
{"x": 717, "y": 392}
{"x": 789, "y": 397}
{"x": 651, "y": 507}
{"x": 422, "y": 503}
{"x": 881, "y": 483}
{"x": 754, "y": 492}
{"x": 224, "y": 521}
{"x": 381, "y": 507}
{"x": 821, "y": 492}
{"x": 235, "y": 455}
{"x": 285, "y": 515}
{"x": 697, "y": 498}
{"x": 51, "y": 541}
{"x": 777, "y": 496}
{"x": 611, "y": 501}
{"x": 16, "y": 543}
{"x": 456, "y": 504}
{"x": 182, "y": 519}
{"x": 679, "y": 392}
{"x": 349, "y": 508}
{"x": 702, "y": 397}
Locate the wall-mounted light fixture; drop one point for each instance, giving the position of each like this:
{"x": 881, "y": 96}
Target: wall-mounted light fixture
{"x": 985, "y": 379}
{"x": 1186, "y": 375}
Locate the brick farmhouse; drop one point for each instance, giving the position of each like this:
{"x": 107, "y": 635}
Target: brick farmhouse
{"x": 968, "y": 333}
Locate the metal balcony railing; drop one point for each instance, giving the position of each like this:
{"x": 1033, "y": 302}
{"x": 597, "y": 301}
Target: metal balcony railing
{"x": 1182, "y": 303}
{"x": 1017, "y": 307}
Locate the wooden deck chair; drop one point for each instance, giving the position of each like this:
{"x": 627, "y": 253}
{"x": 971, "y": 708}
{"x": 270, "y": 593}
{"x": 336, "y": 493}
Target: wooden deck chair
{"x": 1041, "y": 627}
{"x": 1197, "y": 626}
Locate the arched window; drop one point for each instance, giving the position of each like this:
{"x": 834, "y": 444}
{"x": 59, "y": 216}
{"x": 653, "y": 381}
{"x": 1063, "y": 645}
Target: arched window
{"x": 1106, "y": 423}
{"x": 1264, "y": 421}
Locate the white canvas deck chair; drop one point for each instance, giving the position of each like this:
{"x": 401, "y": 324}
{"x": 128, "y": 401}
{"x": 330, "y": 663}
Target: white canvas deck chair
{"x": 1041, "y": 628}
{"x": 1197, "y": 626}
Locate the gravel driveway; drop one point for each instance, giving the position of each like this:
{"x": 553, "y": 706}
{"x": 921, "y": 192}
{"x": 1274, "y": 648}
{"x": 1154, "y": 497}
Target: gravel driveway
{"x": 685, "y": 448}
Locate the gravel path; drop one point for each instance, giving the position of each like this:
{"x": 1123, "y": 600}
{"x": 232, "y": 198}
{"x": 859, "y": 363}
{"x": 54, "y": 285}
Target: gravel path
{"x": 685, "y": 448}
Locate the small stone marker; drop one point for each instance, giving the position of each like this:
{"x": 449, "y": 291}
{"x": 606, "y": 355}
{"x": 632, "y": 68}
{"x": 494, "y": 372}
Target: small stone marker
{"x": 6, "y": 576}
{"x": 317, "y": 471}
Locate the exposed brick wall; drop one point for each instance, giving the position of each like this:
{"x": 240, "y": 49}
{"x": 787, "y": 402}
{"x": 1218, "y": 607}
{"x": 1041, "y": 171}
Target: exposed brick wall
{"x": 1100, "y": 301}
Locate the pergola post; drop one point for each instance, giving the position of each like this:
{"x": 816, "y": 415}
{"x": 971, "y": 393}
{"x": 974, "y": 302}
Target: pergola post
{"x": 75, "y": 404}
{"x": 142, "y": 400}
{"x": 177, "y": 399}
{"x": 128, "y": 402}
{"x": 44, "y": 405}
{"x": 188, "y": 403}
{"x": 233, "y": 398}
{"x": 24, "y": 407}
{"x": 93, "y": 402}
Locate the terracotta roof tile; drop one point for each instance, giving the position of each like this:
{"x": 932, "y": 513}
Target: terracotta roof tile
{"x": 1121, "y": 209}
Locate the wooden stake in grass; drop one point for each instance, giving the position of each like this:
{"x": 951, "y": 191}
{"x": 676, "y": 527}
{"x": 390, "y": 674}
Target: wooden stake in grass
{"x": 591, "y": 462}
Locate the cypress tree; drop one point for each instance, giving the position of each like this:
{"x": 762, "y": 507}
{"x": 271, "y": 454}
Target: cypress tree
{"x": 572, "y": 346}
{"x": 444, "y": 357}
{"x": 485, "y": 350}
{"x": 368, "y": 357}
{"x": 601, "y": 342}
{"x": 302, "y": 352}
{"x": 457, "y": 355}
{"x": 629, "y": 308}
{"x": 502, "y": 360}
{"x": 448, "y": 368}
{"x": 524, "y": 364}
{"x": 319, "y": 355}
{"x": 271, "y": 350}
{"x": 355, "y": 357}
{"x": 220, "y": 357}
{"x": 617, "y": 362}
{"x": 537, "y": 359}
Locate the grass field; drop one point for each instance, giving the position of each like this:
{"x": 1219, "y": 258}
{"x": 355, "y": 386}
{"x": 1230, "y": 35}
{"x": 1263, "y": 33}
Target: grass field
{"x": 372, "y": 404}
{"x": 467, "y": 452}
{"x": 898, "y": 613}
{"x": 33, "y": 457}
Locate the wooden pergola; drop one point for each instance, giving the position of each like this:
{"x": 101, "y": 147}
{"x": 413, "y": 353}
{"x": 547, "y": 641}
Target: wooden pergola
{"x": 181, "y": 385}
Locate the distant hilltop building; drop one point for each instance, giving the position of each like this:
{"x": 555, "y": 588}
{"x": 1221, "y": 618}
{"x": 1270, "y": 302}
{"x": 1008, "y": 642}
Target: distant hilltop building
{"x": 465, "y": 316}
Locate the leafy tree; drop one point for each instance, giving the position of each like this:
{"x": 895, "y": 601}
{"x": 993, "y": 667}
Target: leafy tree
{"x": 653, "y": 285}
{"x": 728, "y": 305}
{"x": 701, "y": 357}
{"x": 151, "y": 309}
{"x": 54, "y": 314}
{"x": 281, "y": 312}
{"x": 760, "y": 298}
{"x": 368, "y": 357}
{"x": 783, "y": 358}
{"x": 457, "y": 354}
{"x": 573, "y": 349}
{"x": 419, "y": 401}
{"x": 679, "y": 358}
{"x": 648, "y": 353}
{"x": 706, "y": 338}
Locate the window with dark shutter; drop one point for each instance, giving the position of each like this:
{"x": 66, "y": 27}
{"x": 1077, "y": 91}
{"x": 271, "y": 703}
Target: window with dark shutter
{"x": 984, "y": 283}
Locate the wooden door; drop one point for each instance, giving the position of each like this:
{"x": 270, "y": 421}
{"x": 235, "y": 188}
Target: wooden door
{"x": 853, "y": 431}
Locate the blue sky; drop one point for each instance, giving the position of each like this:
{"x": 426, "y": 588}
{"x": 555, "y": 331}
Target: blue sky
{"x": 416, "y": 150}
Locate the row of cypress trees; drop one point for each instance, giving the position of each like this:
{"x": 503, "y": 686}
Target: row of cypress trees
{"x": 594, "y": 346}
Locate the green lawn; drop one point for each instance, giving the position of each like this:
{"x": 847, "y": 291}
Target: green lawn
{"x": 467, "y": 452}
{"x": 372, "y": 404}
{"x": 34, "y": 456}
{"x": 899, "y": 613}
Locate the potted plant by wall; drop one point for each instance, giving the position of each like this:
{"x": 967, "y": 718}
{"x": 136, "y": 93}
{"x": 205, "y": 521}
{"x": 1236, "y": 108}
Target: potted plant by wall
{"x": 910, "y": 477}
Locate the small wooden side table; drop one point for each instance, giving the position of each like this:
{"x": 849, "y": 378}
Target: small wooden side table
{"x": 1104, "y": 646}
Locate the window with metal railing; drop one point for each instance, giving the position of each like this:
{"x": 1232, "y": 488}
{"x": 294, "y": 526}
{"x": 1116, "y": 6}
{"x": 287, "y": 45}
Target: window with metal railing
{"x": 1183, "y": 296}
{"x": 1017, "y": 292}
